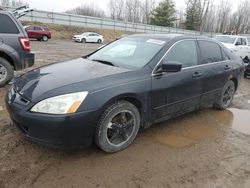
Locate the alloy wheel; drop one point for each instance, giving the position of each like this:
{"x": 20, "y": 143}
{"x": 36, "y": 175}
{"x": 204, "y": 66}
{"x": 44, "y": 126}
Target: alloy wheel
{"x": 120, "y": 128}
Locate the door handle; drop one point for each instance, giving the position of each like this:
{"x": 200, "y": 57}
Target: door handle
{"x": 197, "y": 75}
{"x": 227, "y": 67}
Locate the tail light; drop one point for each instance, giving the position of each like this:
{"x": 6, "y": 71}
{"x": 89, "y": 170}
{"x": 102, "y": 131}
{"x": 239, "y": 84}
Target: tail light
{"x": 25, "y": 43}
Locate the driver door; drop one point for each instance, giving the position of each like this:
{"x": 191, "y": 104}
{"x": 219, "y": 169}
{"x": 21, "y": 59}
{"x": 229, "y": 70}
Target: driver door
{"x": 176, "y": 93}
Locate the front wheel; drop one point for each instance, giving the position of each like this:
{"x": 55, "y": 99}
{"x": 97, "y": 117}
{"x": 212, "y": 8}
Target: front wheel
{"x": 83, "y": 40}
{"x": 117, "y": 127}
{"x": 226, "y": 96}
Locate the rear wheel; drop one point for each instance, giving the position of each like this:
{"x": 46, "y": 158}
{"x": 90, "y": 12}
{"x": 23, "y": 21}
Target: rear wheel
{"x": 117, "y": 127}
{"x": 226, "y": 96}
{"x": 6, "y": 72}
{"x": 99, "y": 41}
{"x": 45, "y": 38}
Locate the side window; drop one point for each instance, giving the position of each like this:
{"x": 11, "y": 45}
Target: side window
{"x": 210, "y": 52}
{"x": 7, "y": 25}
{"x": 30, "y": 28}
{"x": 38, "y": 28}
{"x": 239, "y": 41}
{"x": 244, "y": 41}
{"x": 184, "y": 52}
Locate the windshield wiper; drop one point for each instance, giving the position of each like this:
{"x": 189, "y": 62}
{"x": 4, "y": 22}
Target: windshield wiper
{"x": 105, "y": 62}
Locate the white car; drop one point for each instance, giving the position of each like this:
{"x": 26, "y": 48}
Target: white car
{"x": 88, "y": 37}
{"x": 237, "y": 44}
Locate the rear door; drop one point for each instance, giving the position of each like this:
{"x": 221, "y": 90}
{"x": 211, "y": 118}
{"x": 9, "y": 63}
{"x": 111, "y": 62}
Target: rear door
{"x": 216, "y": 68}
{"x": 177, "y": 93}
{"x": 92, "y": 37}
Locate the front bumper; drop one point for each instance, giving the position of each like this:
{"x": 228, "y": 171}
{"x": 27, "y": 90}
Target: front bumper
{"x": 64, "y": 131}
{"x": 77, "y": 40}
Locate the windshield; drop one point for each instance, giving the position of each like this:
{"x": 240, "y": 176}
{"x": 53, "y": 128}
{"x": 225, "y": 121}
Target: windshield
{"x": 225, "y": 39}
{"x": 129, "y": 52}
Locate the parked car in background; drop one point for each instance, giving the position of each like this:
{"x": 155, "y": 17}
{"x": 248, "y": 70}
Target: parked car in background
{"x": 38, "y": 32}
{"x": 14, "y": 47}
{"x": 238, "y": 45}
{"x": 133, "y": 82}
{"x": 88, "y": 37}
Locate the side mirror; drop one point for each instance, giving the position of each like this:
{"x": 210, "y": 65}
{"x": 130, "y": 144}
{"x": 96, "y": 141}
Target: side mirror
{"x": 170, "y": 66}
{"x": 238, "y": 43}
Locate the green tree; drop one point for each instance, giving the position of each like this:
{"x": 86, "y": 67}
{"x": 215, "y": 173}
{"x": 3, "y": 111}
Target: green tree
{"x": 164, "y": 14}
{"x": 193, "y": 15}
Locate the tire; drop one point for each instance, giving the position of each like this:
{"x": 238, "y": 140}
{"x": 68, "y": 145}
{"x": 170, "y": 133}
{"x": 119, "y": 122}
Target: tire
{"x": 45, "y": 38}
{"x": 6, "y": 72}
{"x": 226, "y": 96}
{"x": 83, "y": 40}
{"x": 99, "y": 41}
{"x": 113, "y": 137}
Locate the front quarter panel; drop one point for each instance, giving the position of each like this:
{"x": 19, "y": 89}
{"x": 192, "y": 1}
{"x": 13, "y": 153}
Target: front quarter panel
{"x": 99, "y": 99}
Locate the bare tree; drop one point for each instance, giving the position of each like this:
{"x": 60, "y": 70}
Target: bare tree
{"x": 88, "y": 10}
{"x": 147, "y": 7}
{"x": 116, "y": 8}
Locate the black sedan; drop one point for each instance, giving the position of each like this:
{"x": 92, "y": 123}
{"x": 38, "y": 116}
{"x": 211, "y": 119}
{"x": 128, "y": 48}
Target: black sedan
{"x": 134, "y": 82}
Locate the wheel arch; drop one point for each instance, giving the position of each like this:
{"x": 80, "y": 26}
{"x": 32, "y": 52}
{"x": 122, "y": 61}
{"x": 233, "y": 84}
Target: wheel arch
{"x": 133, "y": 99}
{"x": 235, "y": 81}
{"x": 8, "y": 58}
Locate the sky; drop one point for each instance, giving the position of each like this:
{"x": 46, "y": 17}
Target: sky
{"x": 63, "y": 5}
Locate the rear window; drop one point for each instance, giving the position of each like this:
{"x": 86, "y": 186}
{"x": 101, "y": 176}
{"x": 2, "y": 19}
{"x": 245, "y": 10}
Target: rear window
{"x": 7, "y": 25}
{"x": 210, "y": 52}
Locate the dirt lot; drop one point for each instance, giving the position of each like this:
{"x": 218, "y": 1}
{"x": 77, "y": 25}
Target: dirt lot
{"x": 207, "y": 148}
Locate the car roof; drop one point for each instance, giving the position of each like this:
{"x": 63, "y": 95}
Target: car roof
{"x": 169, "y": 36}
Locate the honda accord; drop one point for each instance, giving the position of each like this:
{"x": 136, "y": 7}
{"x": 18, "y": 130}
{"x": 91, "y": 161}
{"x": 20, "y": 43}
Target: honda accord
{"x": 132, "y": 83}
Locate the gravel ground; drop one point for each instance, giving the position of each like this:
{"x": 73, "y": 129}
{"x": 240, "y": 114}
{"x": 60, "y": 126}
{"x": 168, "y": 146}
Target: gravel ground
{"x": 207, "y": 148}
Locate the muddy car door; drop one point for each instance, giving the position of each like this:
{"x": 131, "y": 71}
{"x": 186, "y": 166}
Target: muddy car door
{"x": 179, "y": 92}
{"x": 216, "y": 66}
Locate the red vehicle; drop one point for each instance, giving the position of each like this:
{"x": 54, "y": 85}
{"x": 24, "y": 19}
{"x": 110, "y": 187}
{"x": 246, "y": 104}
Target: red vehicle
{"x": 37, "y": 32}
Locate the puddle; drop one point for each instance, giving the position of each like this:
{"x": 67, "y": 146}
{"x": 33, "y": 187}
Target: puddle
{"x": 241, "y": 120}
{"x": 188, "y": 130}
{"x": 196, "y": 127}
{"x": 248, "y": 101}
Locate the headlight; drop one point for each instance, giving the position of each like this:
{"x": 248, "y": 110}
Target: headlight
{"x": 62, "y": 104}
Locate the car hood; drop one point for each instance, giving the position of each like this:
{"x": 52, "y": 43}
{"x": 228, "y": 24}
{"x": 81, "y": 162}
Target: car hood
{"x": 78, "y": 36}
{"x": 45, "y": 79}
